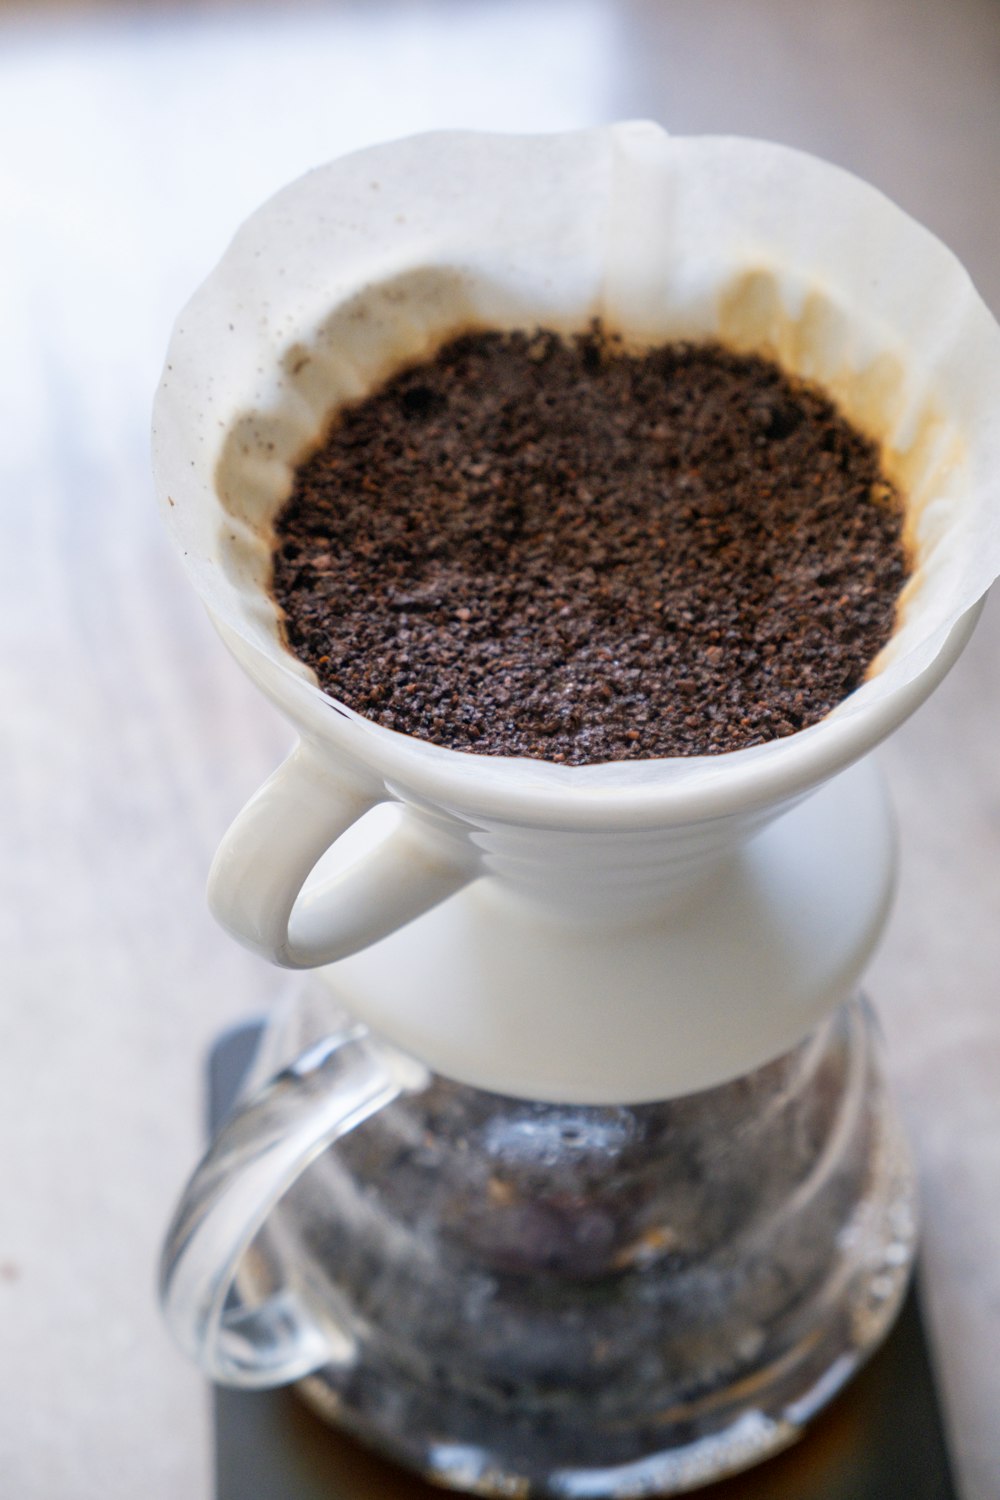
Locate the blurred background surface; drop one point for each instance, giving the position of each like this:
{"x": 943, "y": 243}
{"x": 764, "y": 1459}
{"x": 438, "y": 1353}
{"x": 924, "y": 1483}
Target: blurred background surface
{"x": 132, "y": 142}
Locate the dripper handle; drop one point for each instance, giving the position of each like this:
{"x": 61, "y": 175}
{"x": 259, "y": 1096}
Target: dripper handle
{"x": 260, "y": 1152}
{"x": 259, "y": 887}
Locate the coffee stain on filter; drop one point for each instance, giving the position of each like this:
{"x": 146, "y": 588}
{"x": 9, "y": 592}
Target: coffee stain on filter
{"x": 767, "y": 311}
{"x": 822, "y": 342}
{"x": 365, "y": 340}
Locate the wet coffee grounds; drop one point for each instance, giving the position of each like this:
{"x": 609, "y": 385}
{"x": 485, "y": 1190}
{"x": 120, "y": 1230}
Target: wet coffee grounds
{"x": 549, "y": 548}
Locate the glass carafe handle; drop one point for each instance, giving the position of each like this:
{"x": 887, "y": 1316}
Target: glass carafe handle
{"x": 260, "y": 1151}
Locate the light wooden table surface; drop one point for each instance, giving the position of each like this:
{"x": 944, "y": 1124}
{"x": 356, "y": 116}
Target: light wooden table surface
{"x": 131, "y": 143}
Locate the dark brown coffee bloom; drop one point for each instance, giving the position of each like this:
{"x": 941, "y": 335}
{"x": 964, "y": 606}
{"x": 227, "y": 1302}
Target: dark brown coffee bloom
{"x": 529, "y": 546}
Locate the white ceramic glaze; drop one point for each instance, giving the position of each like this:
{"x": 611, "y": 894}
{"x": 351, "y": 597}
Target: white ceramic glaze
{"x": 607, "y": 933}
{"x": 610, "y": 948}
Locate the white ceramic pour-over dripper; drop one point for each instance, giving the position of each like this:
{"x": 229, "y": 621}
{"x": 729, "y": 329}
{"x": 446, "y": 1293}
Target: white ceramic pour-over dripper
{"x": 617, "y": 932}
{"x": 613, "y": 933}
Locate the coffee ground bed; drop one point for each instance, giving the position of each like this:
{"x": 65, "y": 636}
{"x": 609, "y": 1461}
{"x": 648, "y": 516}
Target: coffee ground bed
{"x": 538, "y": 547}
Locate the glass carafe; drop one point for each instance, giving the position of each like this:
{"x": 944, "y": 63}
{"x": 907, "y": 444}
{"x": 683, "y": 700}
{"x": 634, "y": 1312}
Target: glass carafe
{"x": 515, "y": 1297}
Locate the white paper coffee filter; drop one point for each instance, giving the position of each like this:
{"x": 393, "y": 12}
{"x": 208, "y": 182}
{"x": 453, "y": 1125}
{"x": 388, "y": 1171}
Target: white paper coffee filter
{"x": 376, "y": 259}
